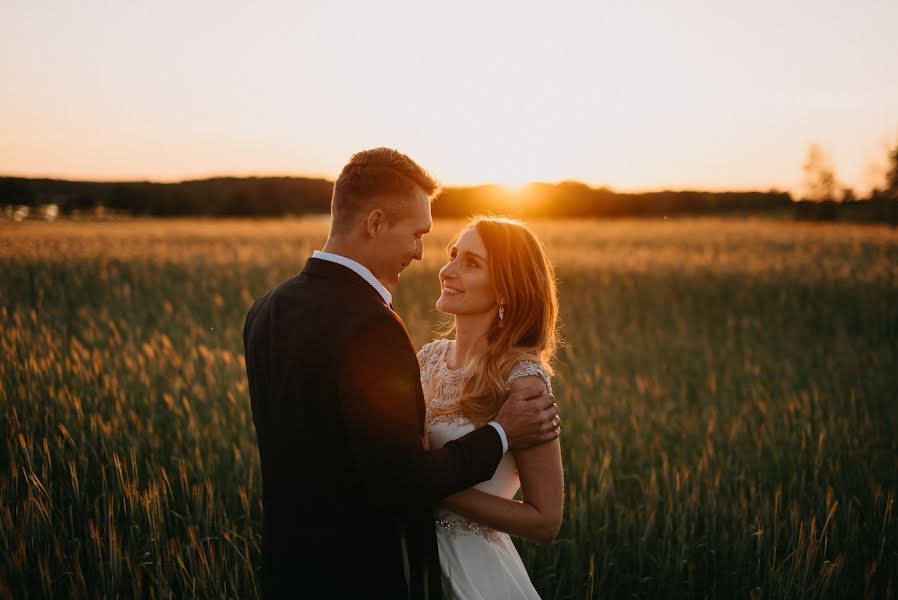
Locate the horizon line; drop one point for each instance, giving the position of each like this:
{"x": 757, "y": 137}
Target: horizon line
{"x": 445, "y": 185}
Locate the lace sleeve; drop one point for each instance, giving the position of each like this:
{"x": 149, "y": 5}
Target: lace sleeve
{"x": 526, "y": 368}
{"x": 422, "y": 356}
{"x": 427, "y": 358}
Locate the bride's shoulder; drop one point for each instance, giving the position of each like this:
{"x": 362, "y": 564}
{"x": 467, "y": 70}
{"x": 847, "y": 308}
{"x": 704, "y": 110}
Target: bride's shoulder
{"x": 430, "y": 351}
{"x": 432, "y": 347}
{"x": 528, "y": 368}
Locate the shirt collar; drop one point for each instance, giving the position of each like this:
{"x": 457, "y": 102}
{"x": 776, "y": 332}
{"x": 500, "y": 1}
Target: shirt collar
{"x": 360, "y": 269}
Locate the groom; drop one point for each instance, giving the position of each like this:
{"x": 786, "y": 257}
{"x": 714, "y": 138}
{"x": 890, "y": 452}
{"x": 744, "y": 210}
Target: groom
{"x": 339, "y": 412}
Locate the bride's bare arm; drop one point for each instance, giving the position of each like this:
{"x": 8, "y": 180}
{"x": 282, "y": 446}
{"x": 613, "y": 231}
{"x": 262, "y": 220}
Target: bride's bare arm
{"x": 537, "y": 517}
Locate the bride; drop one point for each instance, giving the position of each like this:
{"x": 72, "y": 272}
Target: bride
{"x": 500, "y": 288}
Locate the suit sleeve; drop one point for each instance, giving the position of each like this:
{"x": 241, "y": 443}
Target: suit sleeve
{"x": 380, "y": 398}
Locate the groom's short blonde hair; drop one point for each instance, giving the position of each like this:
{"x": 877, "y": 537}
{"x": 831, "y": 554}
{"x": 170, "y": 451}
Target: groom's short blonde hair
{"x": 372, "y": 174}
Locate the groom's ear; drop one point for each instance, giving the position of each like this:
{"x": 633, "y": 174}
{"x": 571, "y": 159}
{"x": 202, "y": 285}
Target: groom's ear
{"x": 375, "y": 222}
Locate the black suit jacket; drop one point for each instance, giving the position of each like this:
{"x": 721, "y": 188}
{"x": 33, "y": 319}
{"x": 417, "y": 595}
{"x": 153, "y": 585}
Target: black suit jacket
{"x": 347, "y": 486}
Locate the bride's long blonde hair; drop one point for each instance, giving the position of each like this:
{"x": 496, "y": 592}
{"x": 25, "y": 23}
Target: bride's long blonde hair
{"x": 523, "y": 278}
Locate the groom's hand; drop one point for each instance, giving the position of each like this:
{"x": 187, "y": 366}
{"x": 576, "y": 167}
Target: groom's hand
{"x": 529, "y": 416}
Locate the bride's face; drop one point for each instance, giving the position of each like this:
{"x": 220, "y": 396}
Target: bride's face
{"x": 465, "y": 280}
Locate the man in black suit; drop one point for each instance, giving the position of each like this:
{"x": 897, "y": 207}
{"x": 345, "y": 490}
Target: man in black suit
{"x": 339, "y": 412}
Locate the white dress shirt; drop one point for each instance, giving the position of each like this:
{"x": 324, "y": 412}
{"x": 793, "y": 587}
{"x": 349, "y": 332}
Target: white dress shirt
{"x": 360, "y": 269}
{"x": 366, "y": 274}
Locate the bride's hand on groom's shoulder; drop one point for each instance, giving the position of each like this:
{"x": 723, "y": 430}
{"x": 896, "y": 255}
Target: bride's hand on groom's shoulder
{"x": 529, "y": 416}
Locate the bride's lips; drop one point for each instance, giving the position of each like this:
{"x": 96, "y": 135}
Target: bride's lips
{"x": 451, "y": 291}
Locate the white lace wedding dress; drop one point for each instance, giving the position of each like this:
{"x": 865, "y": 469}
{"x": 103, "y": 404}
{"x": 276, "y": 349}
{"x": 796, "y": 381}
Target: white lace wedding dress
{"x": 477, "y": 563}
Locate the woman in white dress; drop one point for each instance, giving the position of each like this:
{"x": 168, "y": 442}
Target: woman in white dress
{"x": 500, "y": 288}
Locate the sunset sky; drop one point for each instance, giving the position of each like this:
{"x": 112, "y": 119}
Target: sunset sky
{"x": 649, "y": 94}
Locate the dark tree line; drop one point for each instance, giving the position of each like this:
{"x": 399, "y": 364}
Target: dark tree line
{"x": 276, "y": 196}
{"x": 223, "y": 196}
{"x": 573, "y": 199}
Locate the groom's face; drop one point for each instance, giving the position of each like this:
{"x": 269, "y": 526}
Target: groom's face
{"x": 402, "y": 242}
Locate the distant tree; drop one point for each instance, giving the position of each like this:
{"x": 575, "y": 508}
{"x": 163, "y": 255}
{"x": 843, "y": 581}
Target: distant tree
{"x": 848, "y": 195}
{"x": 892, "y": 173}
{"x": 819, "y": 175}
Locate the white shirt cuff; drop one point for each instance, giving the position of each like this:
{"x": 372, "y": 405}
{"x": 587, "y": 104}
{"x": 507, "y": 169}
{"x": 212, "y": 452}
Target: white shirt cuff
{"x": 501, "y": 436}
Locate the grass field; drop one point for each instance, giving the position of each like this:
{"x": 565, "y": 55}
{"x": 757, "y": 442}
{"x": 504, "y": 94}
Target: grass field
{"x": 729, "y": 390}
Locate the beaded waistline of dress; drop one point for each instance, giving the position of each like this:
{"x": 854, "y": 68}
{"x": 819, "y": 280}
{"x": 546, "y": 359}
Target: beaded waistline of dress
{"x": 455, "y": 526}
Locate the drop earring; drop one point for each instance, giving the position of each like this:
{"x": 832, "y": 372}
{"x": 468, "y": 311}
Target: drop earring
{"x": 501, "y": 314}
